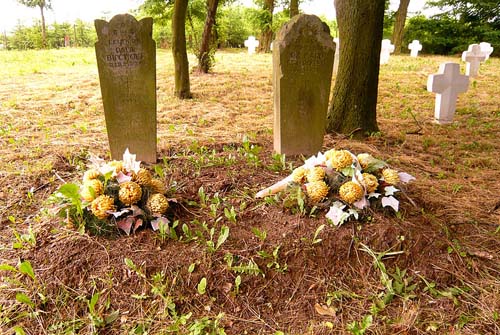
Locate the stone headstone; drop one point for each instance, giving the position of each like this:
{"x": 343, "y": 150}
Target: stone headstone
{"x": 337, "y": 55}
{"x": 448, "y": 83}
{"x": 473, "y": 57}
{"x": 251, "y": 43}
{"x": 486, "y": 48}
{"x": 414, "y": 47}
{"x": 385, "y": 51}
{"x": 302, "y": 74}
{"x": 126, "y": 60}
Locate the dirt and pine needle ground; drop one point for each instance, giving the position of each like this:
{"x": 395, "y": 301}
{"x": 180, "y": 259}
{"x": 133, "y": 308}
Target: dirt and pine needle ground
{"x": 432, "y": 269}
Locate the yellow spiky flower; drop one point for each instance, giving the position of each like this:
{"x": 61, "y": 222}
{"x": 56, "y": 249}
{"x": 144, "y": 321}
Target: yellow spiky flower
{"x": 317, "y": 173}
{"x": 118, "y": 166}
{"x": 299, "y": 174}
{"x": 91, "y": 189}
{"x": 370, "y": 182}
{"x": 157, "y": 203}
{"x": 101, "y": 205}
{"x": 390, "y": 176}
{"x": 316, "y": 190}
{"x": 91, "y": 174}
{"x": 365, "y": 160}
{"x": 157, "y": 186}
{"x": 130, "y": 193}
{"x": 340, "y": 159}
{"x": 351, "y": 192}
{"x": 142, "y": 177}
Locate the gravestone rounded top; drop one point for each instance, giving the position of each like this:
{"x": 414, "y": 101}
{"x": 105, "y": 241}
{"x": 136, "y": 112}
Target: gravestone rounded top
{"x": 311, "y": 24}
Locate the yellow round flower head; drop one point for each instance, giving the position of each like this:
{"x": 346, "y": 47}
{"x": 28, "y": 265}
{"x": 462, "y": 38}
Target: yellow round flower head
{"x": 142, "y": 177}
{"x": 340, "y": 159}
{"x": 370, "y": 182}
{"x": 91, "y": 189}
{"x": 157, "y": 203}
{"x": 90, "y": 174}
{"x": 157, "y": 186}
{"x": 390, "y": 176}
{"x": 316, "y": 190}
{"x": 118, "y": 166}
{"x": 129, "y": 193}
{"x": 365, "y": 160}
{"x": 299, "y": 174}
{"x": 101, "y": 205}
{"x": 315, "y": 174}
{"x": 351, "y": 192}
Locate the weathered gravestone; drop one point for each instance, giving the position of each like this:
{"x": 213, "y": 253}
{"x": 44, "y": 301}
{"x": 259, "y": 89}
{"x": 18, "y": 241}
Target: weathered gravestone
{"x": 486, "y": 48}
{"x": 251, "y": 43}
{"x": 473, "y": 57}
{"x": 126, "y": 60}
{"x": 448, "y": 83}
{"x": 302, "y": 73}
{"x": 414, "y": 47}
{"x": 385, "y": 51}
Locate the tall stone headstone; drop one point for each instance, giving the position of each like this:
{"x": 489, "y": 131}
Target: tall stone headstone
{"x": 303, "y": 54}
{"x": 448, "y": 83}
{"x": 126, "y": 60}
{"x": 473, "y": 57}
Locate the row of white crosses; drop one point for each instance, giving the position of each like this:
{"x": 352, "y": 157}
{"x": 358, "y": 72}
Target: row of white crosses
{"x": 388, "y": 48}
{"x": 448, "y": 82}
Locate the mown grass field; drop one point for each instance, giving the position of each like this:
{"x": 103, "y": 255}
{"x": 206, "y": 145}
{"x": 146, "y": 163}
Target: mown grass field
{"x": 435, "y": 268}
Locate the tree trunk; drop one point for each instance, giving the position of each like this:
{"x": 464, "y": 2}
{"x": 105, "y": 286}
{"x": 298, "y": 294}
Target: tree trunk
{"x": 179, "y": 52}
{"x": 266, "y": 36}
{"x": 399, "y": 25}
{"x": 204, "y": 61}
{"x": 294, "y": 8}
{"x": 354, "y": 102}
{"x": 44, "y": 34}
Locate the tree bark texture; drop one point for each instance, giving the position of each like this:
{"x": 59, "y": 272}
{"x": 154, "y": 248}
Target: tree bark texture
{"x": 399, "y": 25}
{"x": 294, "y": 8}
{"x": 44, "y": 33}
{"x": 266, "y": 36}
{"x": 205, "y": 47}
{"x": 354, "y": 102}
{"x": 181, "y": 64}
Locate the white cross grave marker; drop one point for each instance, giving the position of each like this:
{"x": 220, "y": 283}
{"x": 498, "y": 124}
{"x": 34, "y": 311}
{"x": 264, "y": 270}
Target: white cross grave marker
{"x": 415, "y": 47}
{"x": 473, "y": 56}
{"x": 486, "y": 48}
{"x": 448, "y": 83}
{"x": 251, "y": 43}
{"x": 386, "y": 50}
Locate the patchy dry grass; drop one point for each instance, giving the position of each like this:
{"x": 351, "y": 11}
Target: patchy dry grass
{"x": 51, "y": 117}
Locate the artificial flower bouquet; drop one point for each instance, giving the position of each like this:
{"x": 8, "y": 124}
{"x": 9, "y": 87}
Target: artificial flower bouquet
{"x": 115, "y": 194}
{"x": 345, "y": 182}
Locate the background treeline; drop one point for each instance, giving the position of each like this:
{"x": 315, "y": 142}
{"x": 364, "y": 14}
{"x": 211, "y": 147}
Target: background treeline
{"x": 447, "y": 33}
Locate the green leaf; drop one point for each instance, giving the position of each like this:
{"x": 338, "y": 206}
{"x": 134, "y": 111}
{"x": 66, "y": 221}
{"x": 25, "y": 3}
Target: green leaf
{"x": 18, "y": 330}
{"x": 70, "y": 191}
{"x": 191, "y": 267}
{"x": 23, "y": 298}
{"x": 112, "y": 317}
{"x": 93, "y": 302}
{"x": 202, "y": 286}
{"x": 224, "y": 234}
{"x": 7, "y": 267}
{"x": 26, "y": 268}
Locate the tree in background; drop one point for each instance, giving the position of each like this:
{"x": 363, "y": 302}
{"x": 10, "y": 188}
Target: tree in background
{"x": 399, "y": 25}
{"x": 266, "y": 21}
{"x": 354, "y": 102}
{"x": 294, "y": 8}
{"x": 181, "y": 63}
{"x": 205, "y": 54}
{"x": 42, "y": 4}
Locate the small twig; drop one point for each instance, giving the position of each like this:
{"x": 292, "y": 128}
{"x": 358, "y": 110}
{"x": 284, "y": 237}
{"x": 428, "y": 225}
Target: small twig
{"x": 419, "y": 125}
{"x": 59, "y": 177}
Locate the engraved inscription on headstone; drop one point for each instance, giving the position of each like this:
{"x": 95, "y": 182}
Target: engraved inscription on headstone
{"x": 303, "y": 54}
{"x": 126, "y": 60}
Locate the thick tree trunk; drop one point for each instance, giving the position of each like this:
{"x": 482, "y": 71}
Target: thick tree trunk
{"x": 354, "y": 102}
{"x": 204, "y": 61}
{"x": 44, "y": 33}
{"x": 399, "y": 25}
{"x": 266, "y": 36}
{"x": 181, "y": 64}
{"x": 294, "y": 8}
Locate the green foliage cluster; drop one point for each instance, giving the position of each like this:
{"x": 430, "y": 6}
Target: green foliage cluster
{"x": 81, "y": 34}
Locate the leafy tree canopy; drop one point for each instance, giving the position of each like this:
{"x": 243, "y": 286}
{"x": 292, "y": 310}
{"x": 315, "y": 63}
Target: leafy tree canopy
{"x": 36, "y": 3}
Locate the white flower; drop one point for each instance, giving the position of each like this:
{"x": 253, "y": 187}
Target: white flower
{"x": 390, "y": 190}
{"x": 405, "y": 177}
{"x": 129, "y": 162}
{"x": 315, "y": 161}
{"x": 336, "y": 213}
{"x": 391, "y": 202}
